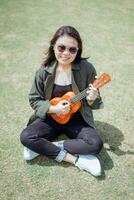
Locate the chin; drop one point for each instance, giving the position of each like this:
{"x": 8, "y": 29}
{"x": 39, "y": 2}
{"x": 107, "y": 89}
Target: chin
{"x": 64, "y": 63}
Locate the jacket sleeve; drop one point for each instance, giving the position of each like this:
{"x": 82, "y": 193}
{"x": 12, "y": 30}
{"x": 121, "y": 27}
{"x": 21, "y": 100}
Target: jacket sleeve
{"x": 98, "y": 103}
{"x": 37, "y": 97}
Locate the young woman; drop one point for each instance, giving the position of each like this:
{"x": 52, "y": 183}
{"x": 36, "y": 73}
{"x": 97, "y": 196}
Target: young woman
{"x": 64, "y": 70}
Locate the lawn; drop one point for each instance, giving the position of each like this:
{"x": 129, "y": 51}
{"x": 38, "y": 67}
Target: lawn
{"x": 106, "y": 27}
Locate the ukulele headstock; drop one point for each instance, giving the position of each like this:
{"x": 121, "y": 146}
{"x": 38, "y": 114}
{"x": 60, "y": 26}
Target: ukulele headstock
{"x": 102, "y": 80}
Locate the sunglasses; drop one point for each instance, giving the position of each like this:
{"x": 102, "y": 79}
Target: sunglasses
{"x": 61, "y": 48}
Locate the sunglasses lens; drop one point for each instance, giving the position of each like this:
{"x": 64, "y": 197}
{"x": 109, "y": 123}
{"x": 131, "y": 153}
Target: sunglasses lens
{"x": 61, "y": 48}
{"x": 72, "y": 50}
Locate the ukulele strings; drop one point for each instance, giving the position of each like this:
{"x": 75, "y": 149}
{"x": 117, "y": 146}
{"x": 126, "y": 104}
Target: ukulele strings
{"x": 83, "y": 94}
{"x": 79, "y": 96}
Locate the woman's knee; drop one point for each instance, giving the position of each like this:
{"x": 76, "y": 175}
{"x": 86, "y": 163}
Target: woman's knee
{"x": 98, "y": 144}
{"x": 95, "y": 143}
{"x": 24, "y": 137}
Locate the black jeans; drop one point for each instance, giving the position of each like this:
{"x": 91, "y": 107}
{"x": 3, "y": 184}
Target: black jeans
{"x": 83, "y": 139}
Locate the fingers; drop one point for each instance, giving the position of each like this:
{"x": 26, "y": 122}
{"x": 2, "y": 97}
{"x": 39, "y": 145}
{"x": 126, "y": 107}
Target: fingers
{"x": 66, "y": 110}
{"x": 65, "y": 102}
{"x": 91, "y": 87}
{"x": 65, "y": 106}
{"x": 92, "y": 93}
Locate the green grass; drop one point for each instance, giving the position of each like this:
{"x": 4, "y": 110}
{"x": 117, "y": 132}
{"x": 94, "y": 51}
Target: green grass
{"x": 107, "y": 31}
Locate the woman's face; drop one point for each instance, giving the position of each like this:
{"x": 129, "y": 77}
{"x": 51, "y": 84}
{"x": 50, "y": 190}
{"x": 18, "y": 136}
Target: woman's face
{"x": 65, "y": 50}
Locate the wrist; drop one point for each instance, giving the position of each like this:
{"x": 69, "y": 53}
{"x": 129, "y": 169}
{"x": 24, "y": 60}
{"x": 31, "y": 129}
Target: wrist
{"x": 90, "y": 102}
{"x": 51, "y": 109}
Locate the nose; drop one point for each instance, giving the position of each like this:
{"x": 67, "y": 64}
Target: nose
{"x": 66, "y": 51}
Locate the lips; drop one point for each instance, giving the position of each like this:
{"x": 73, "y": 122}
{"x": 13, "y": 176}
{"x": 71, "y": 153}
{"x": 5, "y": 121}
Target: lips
{"x": 64, "y": 59}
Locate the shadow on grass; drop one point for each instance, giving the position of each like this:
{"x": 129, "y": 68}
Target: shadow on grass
{"x": 112, "y": 138}
{"x": 44, "y": 161}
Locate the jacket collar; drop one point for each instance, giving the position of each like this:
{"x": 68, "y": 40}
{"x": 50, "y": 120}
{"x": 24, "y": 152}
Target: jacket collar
{"x": 75, "y": 66}
{"x": 51, "y": 68}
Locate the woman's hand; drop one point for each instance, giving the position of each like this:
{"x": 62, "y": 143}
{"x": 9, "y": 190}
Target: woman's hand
{"x": 63, "y": 107}
{"x": 92, "y": 93}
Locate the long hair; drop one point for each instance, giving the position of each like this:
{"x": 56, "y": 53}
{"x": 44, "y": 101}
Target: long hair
{"x": 70, "y": 31}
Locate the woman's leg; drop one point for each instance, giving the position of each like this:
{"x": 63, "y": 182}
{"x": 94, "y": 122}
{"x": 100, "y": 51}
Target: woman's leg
{"x": 38, "y": 136}
{"x": 86, "y": 141}
{"x": 83, "y": 138}
{"x": 88, "y": 162}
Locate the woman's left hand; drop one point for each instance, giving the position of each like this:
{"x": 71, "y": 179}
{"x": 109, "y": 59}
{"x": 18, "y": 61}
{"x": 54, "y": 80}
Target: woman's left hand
{"x": 92, "y": 93}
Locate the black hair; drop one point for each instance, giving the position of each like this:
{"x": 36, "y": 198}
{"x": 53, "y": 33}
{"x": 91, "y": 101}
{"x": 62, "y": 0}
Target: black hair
{"x": 64, "y": 30}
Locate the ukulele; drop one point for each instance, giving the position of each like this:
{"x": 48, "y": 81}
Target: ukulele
{"x": 75, "y": 99}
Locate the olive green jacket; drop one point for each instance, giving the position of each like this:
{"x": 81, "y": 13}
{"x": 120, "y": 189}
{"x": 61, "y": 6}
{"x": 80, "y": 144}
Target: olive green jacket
{"x": 41, "y": 91}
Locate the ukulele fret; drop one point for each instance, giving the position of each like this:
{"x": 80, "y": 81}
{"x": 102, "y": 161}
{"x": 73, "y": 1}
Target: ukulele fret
{"x": 79, "y": 96}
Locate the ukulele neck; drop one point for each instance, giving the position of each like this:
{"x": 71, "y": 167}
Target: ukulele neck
{"x": 79, "y": 96}
{"x": 99, "y": 82}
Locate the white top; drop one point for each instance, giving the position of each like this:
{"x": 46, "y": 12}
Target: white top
{"x": 63, "y": 76}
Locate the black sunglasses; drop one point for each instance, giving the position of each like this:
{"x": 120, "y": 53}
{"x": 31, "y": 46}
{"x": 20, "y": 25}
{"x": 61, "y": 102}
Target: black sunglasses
{"x": 61, "y": 48}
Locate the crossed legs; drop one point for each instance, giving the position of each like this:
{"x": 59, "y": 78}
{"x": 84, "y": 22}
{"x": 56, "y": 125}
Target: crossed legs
{"x": 38, "y": 137}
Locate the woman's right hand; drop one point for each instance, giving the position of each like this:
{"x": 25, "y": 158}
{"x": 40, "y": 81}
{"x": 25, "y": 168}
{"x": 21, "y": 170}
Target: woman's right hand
{"x": 62, "y": 107}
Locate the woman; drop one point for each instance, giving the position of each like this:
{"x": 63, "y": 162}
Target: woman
{"x": 64, "y": 70}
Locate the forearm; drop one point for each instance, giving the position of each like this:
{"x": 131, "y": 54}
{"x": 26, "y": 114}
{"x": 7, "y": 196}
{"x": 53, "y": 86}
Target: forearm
{"x": 41, "y": 107}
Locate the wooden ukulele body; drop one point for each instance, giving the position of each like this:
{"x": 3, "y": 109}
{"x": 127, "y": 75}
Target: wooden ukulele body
{"x": 64, "y": 118}
{"x": 75, "y": 100}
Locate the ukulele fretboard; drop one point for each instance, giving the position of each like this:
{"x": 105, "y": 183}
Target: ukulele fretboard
{"x": 79, "y": 96}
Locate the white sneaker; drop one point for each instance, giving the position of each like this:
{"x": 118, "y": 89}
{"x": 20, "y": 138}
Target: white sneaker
{"x": 29, "y": 154}
{"x": 89, "y": 163}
